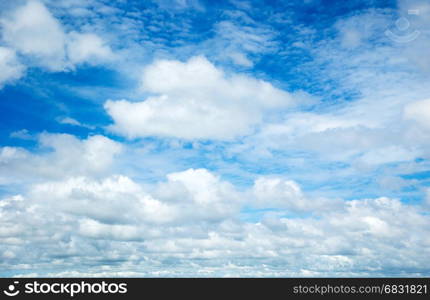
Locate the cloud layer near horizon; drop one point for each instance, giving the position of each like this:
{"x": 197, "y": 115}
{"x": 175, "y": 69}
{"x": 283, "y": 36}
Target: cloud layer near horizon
{"x": 192, "y": 218}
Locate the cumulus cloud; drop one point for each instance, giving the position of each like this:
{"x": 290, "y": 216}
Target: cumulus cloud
{"x": 34, "y": 32}
{"x": 116, "y": 226}
{"x": 196, "y": 100}
{"x": 81, "y": 220}
{"x": 60, "y": 155}
{"x": 287, "y": 194}
{"x": 111, "y": 200}
{"x": 189, "y": 196}
{"x": 202, "y": 193}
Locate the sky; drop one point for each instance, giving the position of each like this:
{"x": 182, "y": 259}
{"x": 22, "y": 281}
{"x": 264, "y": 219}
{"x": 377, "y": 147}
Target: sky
{"x": 194, "y": 138}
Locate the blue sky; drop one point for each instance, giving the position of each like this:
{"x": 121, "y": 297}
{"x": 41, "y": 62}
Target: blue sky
{"x": 193, "y": 138}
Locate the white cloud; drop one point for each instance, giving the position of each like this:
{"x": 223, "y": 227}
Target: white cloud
{"x": 111, "y": 200}
{"x": 72, "y": 122}
{"x": 188, "y": 196}
{"x": 200, "y": 192}
{"x": 89, "y": 48}
{"x": 115, "y": 219}
{"x": 62, "y": 155}
{"x": 95, "y": 153}
{"x": 96, "y": 230}
{"x": 419, "y": 111}
{"x": 22, "y": 134}
{"x": 69, "y": 121}
{"x": 240, "y": 59}
{"x": 390, "y": 154}
{"x": 195, "y": 219}
{"x": 356, "y": 31}
{"x": 287, "y": 194}
{"x": 34, "y": 32}
{"x": 196, "y": 101}
{"x": 241, "y": 41}
{"x": 11, "y": 68}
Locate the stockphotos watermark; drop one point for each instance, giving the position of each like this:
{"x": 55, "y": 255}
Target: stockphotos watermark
{"x": 72, "y": 289}
{"x": 404, "y": 34}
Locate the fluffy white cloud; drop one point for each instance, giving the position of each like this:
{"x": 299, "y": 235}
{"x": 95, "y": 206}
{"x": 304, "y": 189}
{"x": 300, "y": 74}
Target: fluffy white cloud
{"x": 11, "y": 68}
{"x": 131, "y": 228}
{"x": 194, "y": 219}
{"x": 287, "y": 194}
{"x": 189, "y": 196}
{"x": 61, "y": 155}
{"x": 365, "y": 134}
{"x": 202, "y": 193}
{"x": 34, "y": 32}
{"x": 111, "y": 200}
{"x": 196, "y": 101}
